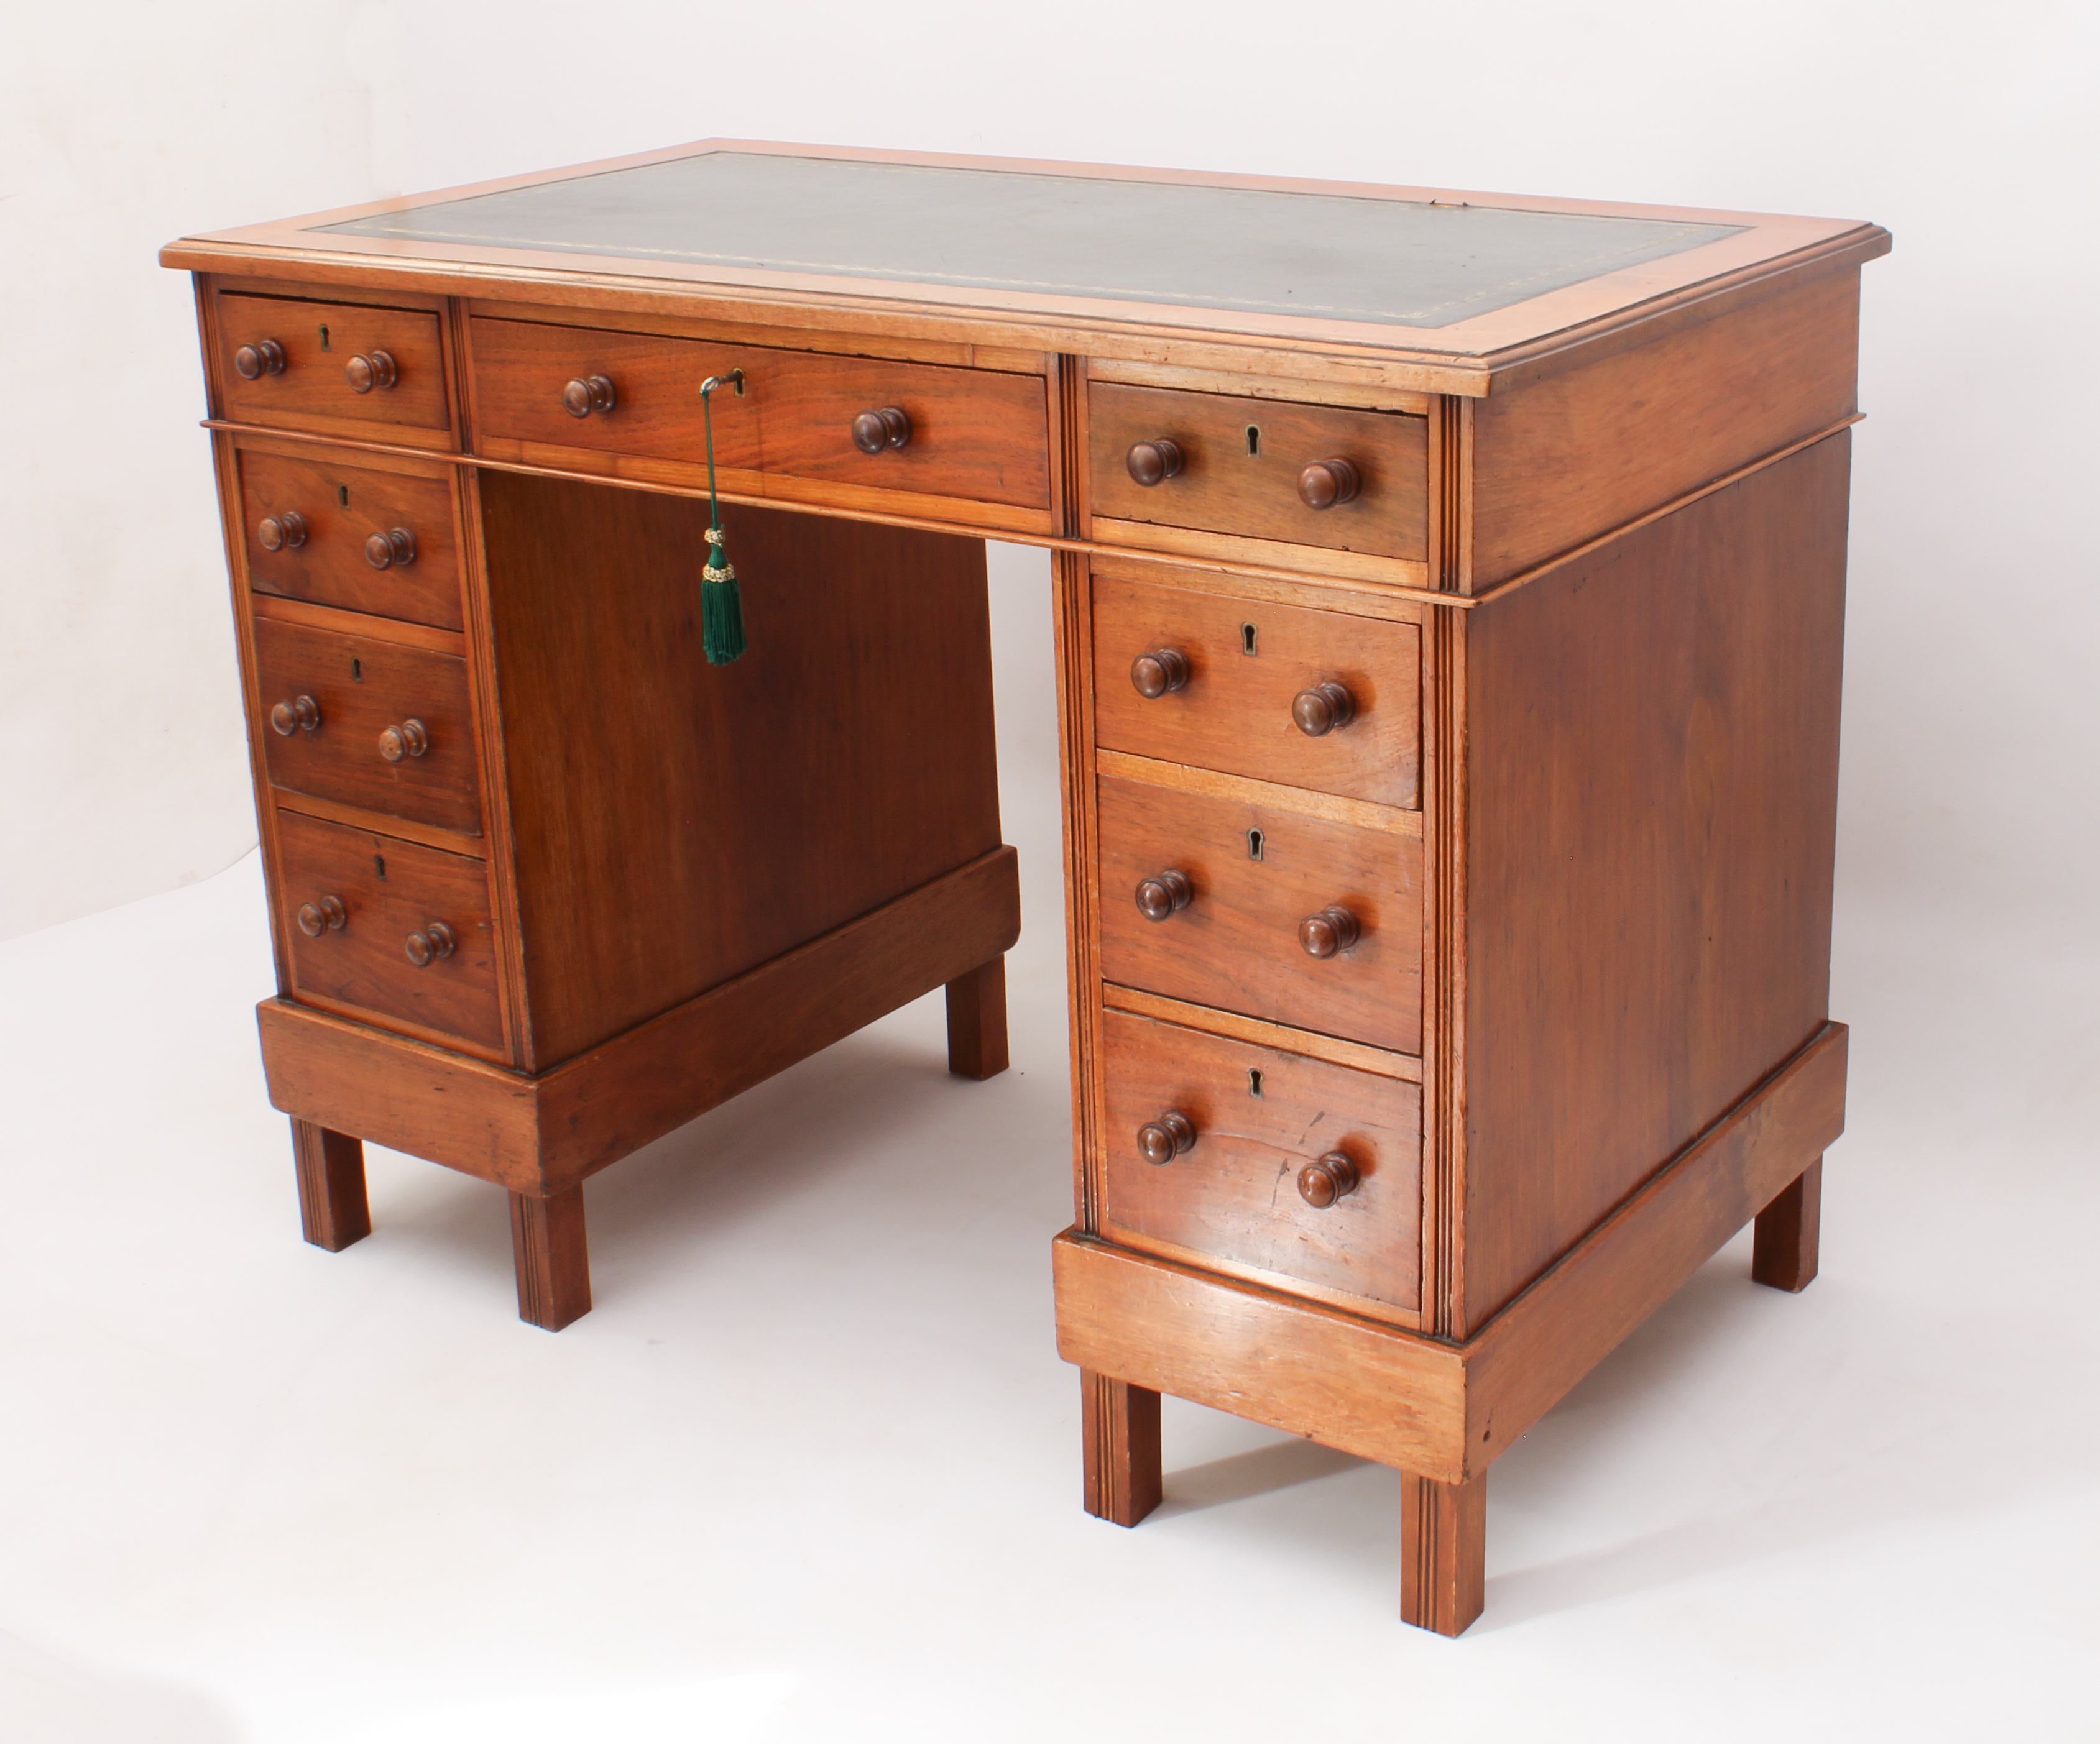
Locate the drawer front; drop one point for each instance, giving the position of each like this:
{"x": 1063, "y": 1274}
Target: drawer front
{"x": 1259, "y": 1117}
{"x": 1246, "y": 664}
{"x": 976, "y": 433}
{"x": 324, "y": 518}
{"x": 383, "y": 892}
{"x": 1236, "y": 945}
{"x": 1240, "y": 462}
{"x": 318, "y": 344}
{"x": 362, "y": 689}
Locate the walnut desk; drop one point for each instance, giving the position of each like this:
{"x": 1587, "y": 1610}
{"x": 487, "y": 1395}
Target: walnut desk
{"x": 1449, "y": 599}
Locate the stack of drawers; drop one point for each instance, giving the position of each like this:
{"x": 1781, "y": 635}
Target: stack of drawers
{"x": 1259, "y": 849}
{"x": 362, "y": 689}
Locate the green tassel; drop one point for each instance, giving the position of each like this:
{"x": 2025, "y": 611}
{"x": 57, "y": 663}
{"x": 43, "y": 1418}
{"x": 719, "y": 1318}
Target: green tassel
{"x": 722, "y": 606}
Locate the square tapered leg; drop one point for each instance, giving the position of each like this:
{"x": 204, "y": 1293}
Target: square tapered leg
{"x": 1443, "y": 1552}
{"x": 977, "y": 1021}
{"x": 1786, "y": 1246}
{"x": 553, "y": 1257}
{"x": 1120, "y": 1426}
{"x": 333, "y": 1211}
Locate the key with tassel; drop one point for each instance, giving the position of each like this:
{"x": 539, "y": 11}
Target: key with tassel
{"x": 721, "y": 605}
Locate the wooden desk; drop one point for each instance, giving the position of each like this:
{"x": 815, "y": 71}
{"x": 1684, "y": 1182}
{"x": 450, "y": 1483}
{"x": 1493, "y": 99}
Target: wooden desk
{"x": 1449, "y": 594}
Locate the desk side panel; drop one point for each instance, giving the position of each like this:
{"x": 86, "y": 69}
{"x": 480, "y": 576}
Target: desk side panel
{"x": 1652, "y": 811}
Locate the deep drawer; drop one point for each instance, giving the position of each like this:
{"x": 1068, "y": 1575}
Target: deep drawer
{"x": 1241, "y": 461}
{"x": 979, "y": 434}
{"x": 1243, "y": 667}
{"x": 367, "y": 698}
{"x": 368, "y": 541}
{"x": 389, "y": 927}
{"x": 309, "y": 356}
{"x": 1258, "y": 1117}
{"x": 1236, "y": 945}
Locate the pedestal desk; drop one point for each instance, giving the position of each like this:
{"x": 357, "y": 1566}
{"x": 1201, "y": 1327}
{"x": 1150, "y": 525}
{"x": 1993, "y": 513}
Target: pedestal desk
{"x": 1448, "y": 595}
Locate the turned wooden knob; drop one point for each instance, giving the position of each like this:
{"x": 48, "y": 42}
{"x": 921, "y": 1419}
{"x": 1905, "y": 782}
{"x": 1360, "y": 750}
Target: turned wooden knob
{"x": 411, "y": 738}
{"x": 1333, "y": 929}
{"x": 327, "y": 915}
{"x": 1154, "y": 462}
{"x": 1326, "y": 483}
{"x": 1161, "y": 897}
{"x": 1161, "y": 1141}
{"x": 370, "y": 369}
{"x": 285, "y": 532}
{"x": 434, "y": 941}
{"x": 288, "y": 718}
{"x": 1319, "y": 711}
{"x": 587, "y": 393}
{"x": 1163, "y": 670}
{"x": 887, "y": 428}
{"x": 266, "y": 357}
{"x": 394, "y": 548}
{"x": 1329, "y": 1177}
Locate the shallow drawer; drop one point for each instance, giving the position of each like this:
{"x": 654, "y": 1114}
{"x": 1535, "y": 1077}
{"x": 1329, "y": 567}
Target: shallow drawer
{"x": 1240, "y": 462}
{"x": 1237, "y": 671}
{"x": 1255, "y": 873}
{"x": 977, "y": 434}
{"x": 337, "y": 708}
{"x": 1257, "y": 1119}
{"x": 388, "y": 927}
{"x": 309, "y": 357}
{"x": 377, "y": 542}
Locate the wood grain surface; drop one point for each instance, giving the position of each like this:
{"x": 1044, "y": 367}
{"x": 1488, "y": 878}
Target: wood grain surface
{"x": 318, "y": 338}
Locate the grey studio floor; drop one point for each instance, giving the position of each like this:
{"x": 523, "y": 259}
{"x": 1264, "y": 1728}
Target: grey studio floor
{"x": 809, "y": 1469}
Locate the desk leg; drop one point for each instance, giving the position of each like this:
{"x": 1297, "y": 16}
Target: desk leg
{"x": 1119, "y": 1424}
{"x": 553, "y": 1258}
{"x": 1443, "y": 1552}
{"x": 1785, "y": 1250}
{"x": 977, "y": 1021}
{"x": 333, "y": 1211}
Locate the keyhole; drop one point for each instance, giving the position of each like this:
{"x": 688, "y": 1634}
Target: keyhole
{"x": 1253, "y": 845}
{"x": 343, "y": 496}
{"x": 1254, "y": 438}
{"x": 379, "y": 865}
{"x": 1254, "y": 1080}
{"x": 357, "y": 671}
{"x": 1249, "y": 643}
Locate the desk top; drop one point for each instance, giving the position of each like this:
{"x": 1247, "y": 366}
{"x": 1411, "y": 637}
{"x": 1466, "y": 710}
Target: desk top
{"x": 1083, "y": 251}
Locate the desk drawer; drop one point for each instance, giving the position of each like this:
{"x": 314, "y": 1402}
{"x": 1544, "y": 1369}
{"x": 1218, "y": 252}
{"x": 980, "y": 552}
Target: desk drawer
{"x": 1235, "y": 945}
{"x": 377, "y": 542}
{"x": 1234, "y": 695}
{"x": 368, "y": 700}
{"x": 308, "y": 355}
{"x": 1240, "y": 465}
{"x": 979, "y": 434}
{"x": 362, "y": 915}
{"x": 1258, "y": 1118}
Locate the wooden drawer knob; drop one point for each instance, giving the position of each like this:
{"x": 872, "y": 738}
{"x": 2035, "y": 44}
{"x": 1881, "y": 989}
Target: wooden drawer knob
{"x": 1319, "y": 711}
{"x": 1333, "y": 929}
{"x": 434, "y": 941}
{"x": 587, "y": 393}
{"x": 887, "y": 428}
{"x": 327, "y": 915}
{"x": 266, "y": 357}
{"x": 1159, "y": 1142}
{"x": 285, "y": 532}
{"x": 1330, "y": 1178}
{"x": 1163, "y": 670}
{"x": 1326, "y": 483}
{"x": 301, "y": 712}
{"x": 411, "y": 738}
{"x": 394, "y": 548}
{"x": 370, "y": 369}
{"x": 1165, "y": 895}
{"x": 1154, "y": 462}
